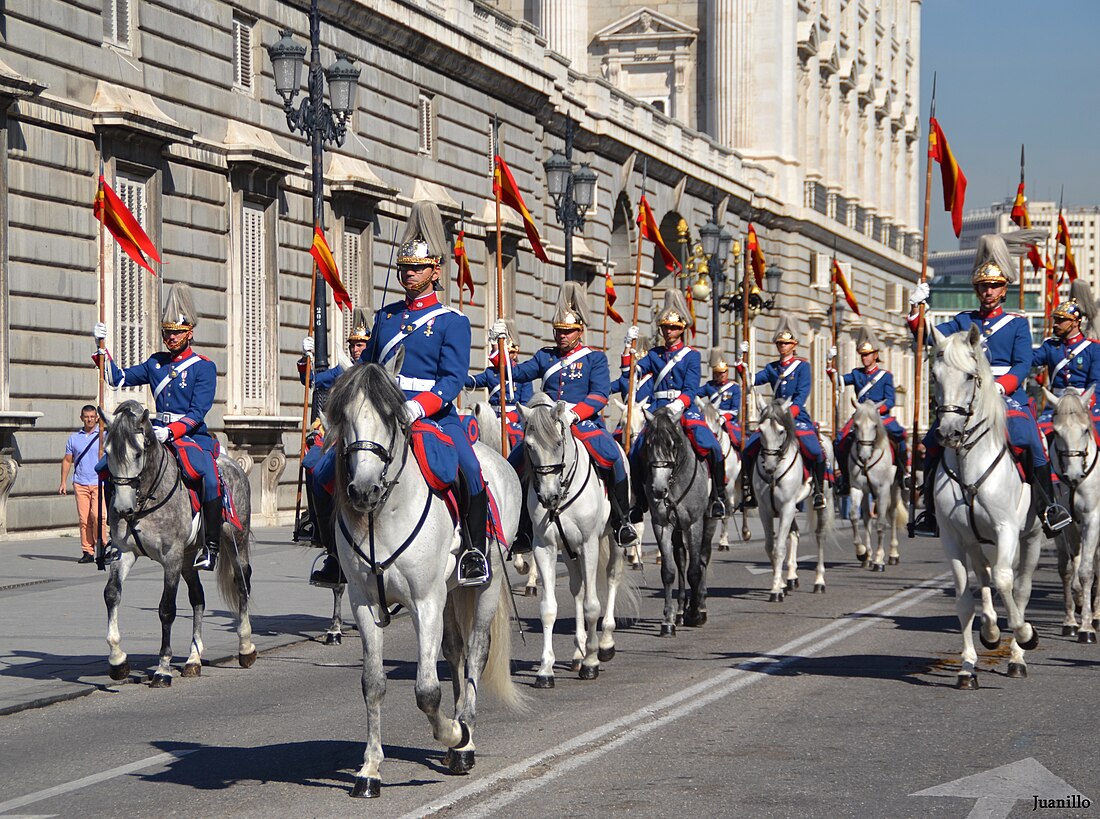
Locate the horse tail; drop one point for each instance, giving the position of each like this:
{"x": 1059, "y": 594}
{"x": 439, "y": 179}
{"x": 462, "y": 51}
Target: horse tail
{"x": 821, "y": 522}
{"x": 226, "y": 570}
{"x": 497, "y": 675}
{"x": 628, "y": 603}
{"x": 901, "y": 509}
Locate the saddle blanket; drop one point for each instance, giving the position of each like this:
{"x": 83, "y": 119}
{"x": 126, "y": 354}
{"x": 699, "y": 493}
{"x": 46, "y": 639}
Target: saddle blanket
{"x": 473, "y": 429}
{"x": 229, "y": 508}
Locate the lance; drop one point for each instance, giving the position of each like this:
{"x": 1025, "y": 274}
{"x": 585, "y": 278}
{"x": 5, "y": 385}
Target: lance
{"x": 100, "y": 546}
{"x": 305, "y": 415}
{"x": 832, "y": 359}
{"x": 919, "y": 354}
{"x": 501, "y": 365}
{"x": 745, "y": 387}
{"x": 1022, "y": 226}
{"x": 461, "y": 291}
{"x": 1053, "y": 281}
{"x": 606, "y": 271}
{"x": 633, "y": 375}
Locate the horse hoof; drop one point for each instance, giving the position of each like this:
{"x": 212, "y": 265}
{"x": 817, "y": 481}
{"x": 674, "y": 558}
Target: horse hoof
{"x": 247, "y": 660}
{"x": 792, "y": 583}
{"x": 544, "y": 682}
{"x": 459, "y": 763}
{"x": 531, "y": 591}
{"x": 605, "y": 654}
{"x": 1017, "y": 671}
{"x": 668, "y": 630}
{"x": 878, "y": 567}
{"x": 636, "y": 565}
{"x": 192, "y": 670}
{"x": 1032, "y": 643}
{"x": 161, "y": 681}
{"x": 775, "y": 597}
{"x": 990, "y": 644}
{"x": 894, "y": 561}
{"x": 819, "y": 588}
{"x": 367, "y": 787}
{"x": 746, "y": 535}
{"x": 589, "y": 672}
{"x": 333, "y": 639}
{"x": 119, "y": 672}
{"x": 679, "y": 619}
{"x": 1069, "y": 631}
{"x": 967, "y": 682}
{"x": 1086, "y": 637}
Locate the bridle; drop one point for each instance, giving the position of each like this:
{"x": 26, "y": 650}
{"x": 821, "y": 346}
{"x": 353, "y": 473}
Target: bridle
{"x": 145, "y": 491}
{"x": 669, "y": 503}
{"x": 965, "y": 444}
{"x": 780, "y": 455}
{"x": 385, "y": 455}
{"x": 1083, "y": 454}
{"x": 565, "y": 482}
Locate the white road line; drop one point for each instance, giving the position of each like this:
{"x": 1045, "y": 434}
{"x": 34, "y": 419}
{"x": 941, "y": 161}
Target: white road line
{"x": 671, "y": 708}
{"x": 94, "y": 779}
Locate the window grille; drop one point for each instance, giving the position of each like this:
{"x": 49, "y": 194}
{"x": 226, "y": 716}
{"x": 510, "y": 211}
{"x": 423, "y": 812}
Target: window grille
{"x": 116, "y": 22}
{"x": 242, "y": 54}
{"x": 427, "y": 135}
{"x": 255, "y": 325}
{"x": 132, "y": 283}
{"x": 350, "y": 272}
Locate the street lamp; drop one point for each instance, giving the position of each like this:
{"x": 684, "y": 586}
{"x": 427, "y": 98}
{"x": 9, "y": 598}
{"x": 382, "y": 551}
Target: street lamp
{"x": 319, "y": 122}
{"x": 716, "y": 242}
{"x": 572, "y": 191}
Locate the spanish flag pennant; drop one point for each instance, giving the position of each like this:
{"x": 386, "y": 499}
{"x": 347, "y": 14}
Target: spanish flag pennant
{"x": 127, "y": 231}
{"x": 507, "y": 193}
{"x": 327, "y": 265}
{"x": 954, "y": 180}
{"x": 842, "y": 283}
{"x": 650, "y": 230}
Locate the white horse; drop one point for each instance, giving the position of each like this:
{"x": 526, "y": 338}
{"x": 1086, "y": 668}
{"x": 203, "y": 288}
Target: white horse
{"x": 1074, "y": 456}
{"x": 779, "y": 486}
{"x": 985, "y": 515}
{"x": 871, "y": 476}
{"x": 732, "y": 457}
{"x": 397, "y": 543}
{"x": 570, "y": 512}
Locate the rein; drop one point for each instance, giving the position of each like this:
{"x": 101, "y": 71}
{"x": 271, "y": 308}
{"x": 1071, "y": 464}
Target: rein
{"x": 670, "y": 504}
{"x": 1065, "y": 454}
{"x": 145, "y": 494}
{"x": 772, "y": 478}
{"x": 567, "y": 480}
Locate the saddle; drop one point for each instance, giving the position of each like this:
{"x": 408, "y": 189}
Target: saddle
{"x": 229, "y": 507}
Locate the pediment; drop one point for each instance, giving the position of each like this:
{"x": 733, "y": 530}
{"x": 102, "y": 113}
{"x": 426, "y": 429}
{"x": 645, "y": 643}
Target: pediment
{"x": 829, "y": 58}
{"x": 808, "y": 43}
{"x": 646, "y": 23}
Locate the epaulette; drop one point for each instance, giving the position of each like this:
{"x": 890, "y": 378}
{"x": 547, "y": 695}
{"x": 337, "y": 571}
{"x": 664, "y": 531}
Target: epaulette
{"x": 548, "y": 349}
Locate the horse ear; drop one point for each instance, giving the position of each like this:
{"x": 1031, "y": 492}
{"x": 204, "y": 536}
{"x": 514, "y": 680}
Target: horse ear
{"x": 761, "y": 403}
{"x": 107, "y": 419}
{"x": 617, "y": 404}
{"x": 937, "y": 336}
{"x": 855, "y": 404}
{"x": 974, "y": 336}
{"x": 560, "y": 408}
{"x": 648, "y": 416}
{"x": 1086, "y": 396}
{"x": 1051, "y": 397}
{"x": 520, "y": 408}
{"x": 786, "y": 403}
{"x": 393, "y": 366}
{"x": 144, "y": 417}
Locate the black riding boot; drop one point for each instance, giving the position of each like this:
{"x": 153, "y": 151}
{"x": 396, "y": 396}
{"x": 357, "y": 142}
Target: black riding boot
{"x": 716, "y": 508}
{"x": 625, "y": 533}
{"x": 473, "y": 562}
{"x": 329, "y": 575}
{"x": 901, "y": 476}
{"x": 207, "y": 557}
{"x": 840, "y": 475}
{"x": 925, "y": 524}
{"x": 637, "y": 480}
{"x": 748, "y": 499}
{"x": 522, "y": 542}
{"x": 1054, "y": 516}
{"x": 817, "y": 470}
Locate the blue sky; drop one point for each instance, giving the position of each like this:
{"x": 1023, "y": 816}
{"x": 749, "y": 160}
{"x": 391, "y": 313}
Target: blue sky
{"x": 1012, "y": 71}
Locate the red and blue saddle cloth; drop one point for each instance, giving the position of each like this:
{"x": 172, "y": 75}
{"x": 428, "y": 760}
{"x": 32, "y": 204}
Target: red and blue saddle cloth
{"x": 515, "y": 431}
{"x": 733, "y": 428}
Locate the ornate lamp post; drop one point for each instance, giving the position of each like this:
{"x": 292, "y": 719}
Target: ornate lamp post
{"x": 572, "y": 192}
{"x": 319, "y": 122}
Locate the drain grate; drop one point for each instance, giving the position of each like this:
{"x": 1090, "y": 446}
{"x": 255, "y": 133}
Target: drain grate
{"x": 24, "y": 585}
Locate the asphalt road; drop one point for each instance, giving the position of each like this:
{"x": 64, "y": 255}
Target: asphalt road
{"x": 828, "y": 705}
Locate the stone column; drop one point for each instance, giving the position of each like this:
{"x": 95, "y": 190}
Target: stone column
{"x": 565, "y": 26}
{"x": 727, "y": 78}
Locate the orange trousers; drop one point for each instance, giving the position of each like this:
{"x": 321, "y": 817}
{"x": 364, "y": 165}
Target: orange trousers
{"x": 87, "y": 507}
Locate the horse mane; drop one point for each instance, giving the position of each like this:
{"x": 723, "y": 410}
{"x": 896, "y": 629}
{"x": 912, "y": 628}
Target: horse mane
{"x": 665, "y": 436}
{"x": 1070, "y": 415}
{"x": 870, "y": 410}
{"x": 775, "y": 411}
{"x": 362, "y": 383}
{"x": 540, "y": 426}
{"x": 126, "y": 424}
{"x": 957, "y": 354}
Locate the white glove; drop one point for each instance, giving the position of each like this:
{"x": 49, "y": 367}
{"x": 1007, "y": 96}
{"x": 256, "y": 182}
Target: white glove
{"x": 572, "y": 417}
{"x": 676, "y": 408}
{"x": 99, "y": 332}
{"x": 307, "y": 346}
{"x": 920, "y": 294}
{"x": 744, "y": 347}
{"x": 162, "y": 434}
{"x": 832, "y": 352}
{"x": 1000, "y": 387}
{"x": 413, "y": 411}
{"x": 499, "y": 330}
{"x": 632, "y": 333}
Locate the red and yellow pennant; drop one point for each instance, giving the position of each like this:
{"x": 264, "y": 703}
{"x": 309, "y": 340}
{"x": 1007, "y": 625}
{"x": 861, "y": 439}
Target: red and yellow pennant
{"x": 650, "y": 230}
{"x": 1019, "y": 213}
{"x": 1069, "y": 267}
{"x": 465, "y": 277}
{"x": 610, "y": 297}
{"x": 507, "y": 193}
{"x": 127, "y": 231}
{"x": 842, "y": 282}
{"x": 954, "y": 180}
{"x": 327, "y": 265}
{"x": 756, "y": 257}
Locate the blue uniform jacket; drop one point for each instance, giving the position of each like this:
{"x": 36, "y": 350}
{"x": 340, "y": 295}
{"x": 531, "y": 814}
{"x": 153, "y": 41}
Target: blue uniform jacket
{"x": 580, "y": 378}
{"x": 323, "y": 380}
{"x": 880, "y": 391}
{"x": 1081, "y": 370}
{"x": 729, "y": 400}
{"x": 436, "y": 339}
{"x": 643, "y": 388}
{"x": 490, "y": 380}
{"x": 681, "y": 383}
{"x": 789, "y": 379}
{"x": 183, "y": 389}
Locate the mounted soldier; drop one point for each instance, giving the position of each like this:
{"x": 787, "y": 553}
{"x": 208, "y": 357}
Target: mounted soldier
{"x": 1006, "y": 339}
{"x": 725, "y": 393}
{"x": 489, "y": 379}
{"x": 1069, "y": 358}
{"x": 790, "y": 380}
{"x": 872, "y": 383}
{"x": 675, "y": 369}
{"x": 436, "y": 340}
{"x": 577, "y": 374}
{"x": 184, "y": 384}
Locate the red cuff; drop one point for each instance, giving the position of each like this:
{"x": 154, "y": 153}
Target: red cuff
{"x": 794, "y": 410}
{"x": 883, "y": 410}
{"x": 624, "y": 359}
{"x": 1008, "y": 382}
{"x": 431, "y": 403}
{"x": 301, "y": 366}
{"x": 178, "y": 429}
{"x": 913, "y": 322}
{"x": 684, "y": 399}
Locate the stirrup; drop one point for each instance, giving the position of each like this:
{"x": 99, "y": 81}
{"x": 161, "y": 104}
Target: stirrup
{"x": 206, "y": 559}
{"x": 626, "y": 535}
{"x": 819, "y": 500}
{"x": 111, "y": 553}
{"x": 473, "y": 568}
{"x": 328, "y": 575}
{"x": 717, "y": 509}
{"x": 925, "y": 525}
{"x": 1055, "y": 518}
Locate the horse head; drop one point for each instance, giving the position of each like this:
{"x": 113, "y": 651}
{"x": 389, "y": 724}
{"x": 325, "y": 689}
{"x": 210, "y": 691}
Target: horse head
{"x": 869, "y": 429}
{"x": 127, "y": 445}
{"x": 963, "y": 387}
{"x": 1073, "y": 429}
{"x": 777, "y": 433}
{"x": 710, "y": 414}
{"x": 546, "y": 431}
{"x": 664, "y": 450}
{"x": 367, "y": 413}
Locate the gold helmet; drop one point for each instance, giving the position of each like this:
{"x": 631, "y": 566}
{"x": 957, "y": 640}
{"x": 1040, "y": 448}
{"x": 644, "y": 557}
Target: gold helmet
{"x": 717, "y": 361}
{"x": 867, "y": 343}
{"x": 360, "y": 326}
{"x": 784, "y": 332}
{"x": 424, "y": 241}
{"x": 1068, "y": 309}
{"x": 675, "y": 313}
{"x": 179, "y": 312}
{"x": 572, "y": 311}
{"x": 993, "y": 262}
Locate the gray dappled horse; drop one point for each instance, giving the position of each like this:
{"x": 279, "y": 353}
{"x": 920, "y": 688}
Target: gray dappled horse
{"x": 732, "y": 457}
{"x": 678, "y": 488}
{"x": 986, "y": 521}
{"x": 1074, "y": 456}
{"x": 397, "y": 543}
{"x": 150, "y": 514}
{"x": 871, "y": 476}
{"x": 570, "y": 514}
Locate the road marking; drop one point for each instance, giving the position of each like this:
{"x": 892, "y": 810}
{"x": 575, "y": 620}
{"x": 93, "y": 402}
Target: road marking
{"x": 998, "y": 790}
{"x": 94, "y": 779}
{"x": 644, "y": 720}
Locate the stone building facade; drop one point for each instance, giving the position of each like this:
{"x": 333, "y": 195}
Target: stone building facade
{"x": 798, "y": 116}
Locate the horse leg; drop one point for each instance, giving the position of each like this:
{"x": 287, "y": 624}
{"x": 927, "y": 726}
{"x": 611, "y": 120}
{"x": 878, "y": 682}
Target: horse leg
{"x": 589, "y": 607}
{"x": 964, "y": 608}
{"x": 454, "y": 649}
{"x": 242, "y": 585}
{"x": 1066, "y": 571}
{"x": 668, "y": 576}
{"x": 1004, "y": 579}
{"x": 162, "y": 677}
{"x": 467, "y": 668}
{"x": 1026, "y": 637}
{"x": 112, "y": 596}
{"x": 695, "y": 612}
{"x": 1086, "y": 575}
{"x": 335, "y": 634}
{"x": 820, "y": 536}
{"x": 680, "y": 556}
{"x": 896, "y": 502}
{"x": 368, "y": 782}
{"x": 577, "y": 582}
{"x": 612, "y": 561}
{"x": 197, "y": 598}
{"x": 855, "y": 518}
{"x": 546, "y": 559}
{"x": 792, "y": 560}
{"x": 427, "y": 618}
{"x": 778, "y": 553}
